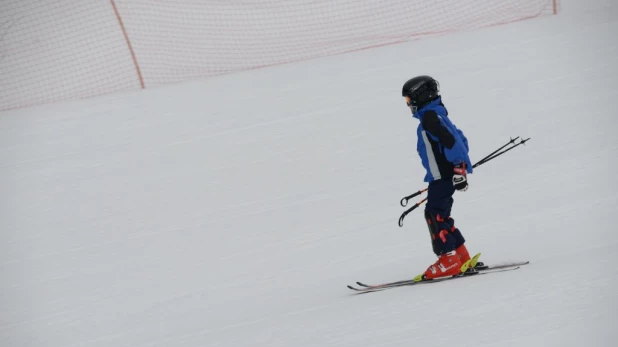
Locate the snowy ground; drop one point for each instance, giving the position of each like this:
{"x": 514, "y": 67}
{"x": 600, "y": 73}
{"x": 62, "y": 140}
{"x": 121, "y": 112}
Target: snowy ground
{"x": 234, "y": 211}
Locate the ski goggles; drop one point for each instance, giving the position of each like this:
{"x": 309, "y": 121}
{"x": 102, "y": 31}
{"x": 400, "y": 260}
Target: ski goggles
{"x": 412, "y": 107}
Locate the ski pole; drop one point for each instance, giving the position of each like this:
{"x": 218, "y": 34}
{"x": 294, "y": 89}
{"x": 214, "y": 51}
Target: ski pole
{"x": 491, "y": 156}
{"x": 404, "y": 201}
{"x": 495, "y": 155}
{"x": 496, "y": 151}
{"x": 403, "y": 215}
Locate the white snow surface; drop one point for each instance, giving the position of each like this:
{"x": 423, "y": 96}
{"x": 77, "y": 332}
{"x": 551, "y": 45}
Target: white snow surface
{"x": 234, "y": 211}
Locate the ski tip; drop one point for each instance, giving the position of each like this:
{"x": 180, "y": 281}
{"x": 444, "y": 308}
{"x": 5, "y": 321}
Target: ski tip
{"x": 356, "y": 289}
{"x": 362, "y": 284}
{"x": 519, "y": 263}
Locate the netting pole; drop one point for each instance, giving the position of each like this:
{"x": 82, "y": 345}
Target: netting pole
{"x": 555, "y": 6}
{"x": 126, "y": 38}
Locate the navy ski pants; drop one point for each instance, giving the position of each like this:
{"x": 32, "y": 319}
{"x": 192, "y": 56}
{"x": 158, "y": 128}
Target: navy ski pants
{"x": 444, "y": 235}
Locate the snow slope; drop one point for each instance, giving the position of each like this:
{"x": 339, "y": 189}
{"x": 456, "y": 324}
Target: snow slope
{"x": 234, "y": 211}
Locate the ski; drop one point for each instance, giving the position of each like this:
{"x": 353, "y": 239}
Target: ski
{"x": 366, "y": 288}
{"x": 411, "y": 282}
{"x": 478, "y": 269}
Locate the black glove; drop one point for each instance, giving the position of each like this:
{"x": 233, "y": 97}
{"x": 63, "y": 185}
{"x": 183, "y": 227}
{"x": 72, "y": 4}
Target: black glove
{"x": 460, "y": 180}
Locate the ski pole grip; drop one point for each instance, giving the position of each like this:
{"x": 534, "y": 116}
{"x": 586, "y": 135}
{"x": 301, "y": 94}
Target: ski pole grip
{"x": 405, "y": 213}
{"x": 404, "y": 201}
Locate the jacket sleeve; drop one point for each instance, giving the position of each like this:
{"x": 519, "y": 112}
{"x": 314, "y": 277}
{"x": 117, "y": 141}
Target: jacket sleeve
{"x": 465, "y": 140}
{"x": 454, "y": 152}
{"x": 431, "y": 124}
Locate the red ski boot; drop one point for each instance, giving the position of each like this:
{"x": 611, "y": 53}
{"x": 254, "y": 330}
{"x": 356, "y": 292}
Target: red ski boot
{"x": 463, "y": 254}
{"x": 448, "y": 264}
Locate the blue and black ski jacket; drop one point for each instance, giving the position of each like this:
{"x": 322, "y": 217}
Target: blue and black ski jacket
{"x": 440, "y": 144}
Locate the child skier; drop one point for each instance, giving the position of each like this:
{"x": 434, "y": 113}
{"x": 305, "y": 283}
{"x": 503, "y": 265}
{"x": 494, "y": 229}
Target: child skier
{"x": 444, "y": 153}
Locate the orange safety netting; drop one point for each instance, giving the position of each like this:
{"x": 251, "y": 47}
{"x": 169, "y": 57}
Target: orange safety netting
{"x": 62, "y": 49}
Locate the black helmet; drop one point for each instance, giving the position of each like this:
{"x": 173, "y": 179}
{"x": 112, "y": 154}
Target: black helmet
{"x": 421, "y": 90}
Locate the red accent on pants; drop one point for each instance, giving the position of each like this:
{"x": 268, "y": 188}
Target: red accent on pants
{"x": 442, "y": 235}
